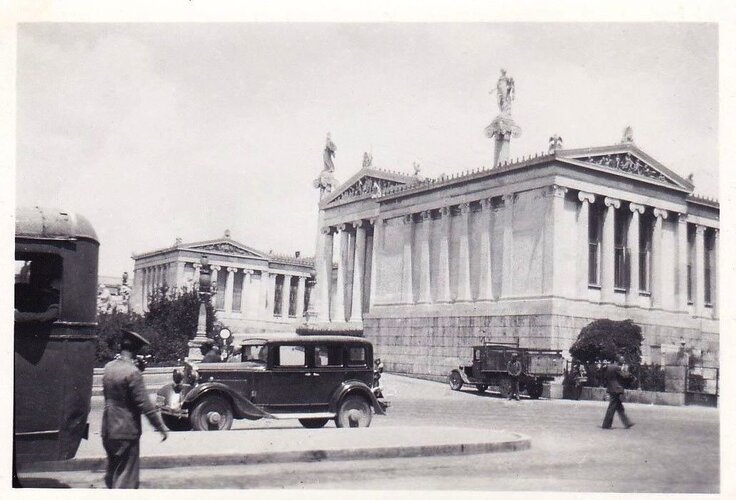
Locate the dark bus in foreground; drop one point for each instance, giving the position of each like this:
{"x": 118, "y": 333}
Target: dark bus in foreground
{"x": 55, "y": 312}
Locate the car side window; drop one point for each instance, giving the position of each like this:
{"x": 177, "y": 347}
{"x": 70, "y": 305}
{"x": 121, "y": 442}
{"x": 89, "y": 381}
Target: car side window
{"x": 327, "y": 356}
{"x": 291, "y": 355}
{"x": 356, "y": 356}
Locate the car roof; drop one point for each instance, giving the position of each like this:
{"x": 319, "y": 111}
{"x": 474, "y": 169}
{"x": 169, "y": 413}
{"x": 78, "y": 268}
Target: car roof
{"x": 307, "y": 339}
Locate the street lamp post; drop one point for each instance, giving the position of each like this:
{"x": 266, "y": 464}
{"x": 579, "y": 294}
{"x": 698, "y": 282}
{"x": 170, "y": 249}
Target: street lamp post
{"x": 205, "y": 292}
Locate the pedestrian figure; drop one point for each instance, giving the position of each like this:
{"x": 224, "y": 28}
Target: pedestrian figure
{"x": 210, "y": 352}
{"x": 514, "y": 370}
{"x": 615, "y": 377}
{"x": 126, "y": 399}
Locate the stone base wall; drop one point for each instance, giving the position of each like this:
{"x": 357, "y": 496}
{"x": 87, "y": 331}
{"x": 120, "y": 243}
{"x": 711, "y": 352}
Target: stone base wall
{"x": 431, "y": 346}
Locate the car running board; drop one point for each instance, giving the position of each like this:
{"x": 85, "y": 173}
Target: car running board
{"x": 287, "y": 416}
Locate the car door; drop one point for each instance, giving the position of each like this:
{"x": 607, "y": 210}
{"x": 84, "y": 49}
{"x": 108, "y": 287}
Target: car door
{"x": 328, "y": 372}
{"x": 287, "y": 386}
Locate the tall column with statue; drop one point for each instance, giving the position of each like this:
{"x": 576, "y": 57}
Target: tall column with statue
{"x": 503, "y": 126}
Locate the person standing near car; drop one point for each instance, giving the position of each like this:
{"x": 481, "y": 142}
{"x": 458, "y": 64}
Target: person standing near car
{"x": 615, "y": 377}
{"x": 210, "y": 353}
{"x": 514, "y": 370}
{"x": 126, "y": 398}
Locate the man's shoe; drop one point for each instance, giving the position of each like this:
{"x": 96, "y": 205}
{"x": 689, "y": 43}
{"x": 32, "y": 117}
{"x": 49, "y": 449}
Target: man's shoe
{"x": 604, "y": 427}
{"x": 630, "y": 425}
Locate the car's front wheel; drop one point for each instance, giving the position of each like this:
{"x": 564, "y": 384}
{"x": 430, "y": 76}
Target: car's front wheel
{"x": 354, "y": 411}
{"x": 455, "y": 380}
{"x": 313, "y": 423}
{"x": 212, "y": 413}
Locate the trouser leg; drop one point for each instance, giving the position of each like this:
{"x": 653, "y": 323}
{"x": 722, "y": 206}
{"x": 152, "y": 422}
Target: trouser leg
{"x": 611, "y": 410}
{"x": 122, "y": 463}
{"x": 622, "y": 413}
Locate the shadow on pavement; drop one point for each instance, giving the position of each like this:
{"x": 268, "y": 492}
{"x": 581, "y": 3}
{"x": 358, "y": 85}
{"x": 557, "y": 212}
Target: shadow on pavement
{"x": 38, "y": 482}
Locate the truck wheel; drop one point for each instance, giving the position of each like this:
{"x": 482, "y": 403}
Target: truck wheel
{"x": 212, "y": 413}
{"x": 456, "y": 381}
{"x": 354, "y": 411}
{"x": 176, "y": 424}
{"x": 481, "y": 388}
{"x": 505, "y": 388}
{"x": 313, "y": 423}
{"x": 534, "y": 389}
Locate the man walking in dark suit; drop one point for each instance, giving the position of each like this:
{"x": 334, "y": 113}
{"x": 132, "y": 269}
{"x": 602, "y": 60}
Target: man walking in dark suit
{"x": 615, "y": 376}
{"x": 126, "y": 399}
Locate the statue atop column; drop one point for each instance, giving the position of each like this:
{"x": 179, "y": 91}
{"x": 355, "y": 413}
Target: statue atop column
{"x": 503, "y": 127}
{"x": 367, "y": 160}
{"x": 326, "y": 180}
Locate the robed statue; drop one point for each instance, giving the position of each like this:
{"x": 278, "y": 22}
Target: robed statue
{"x": 505, "y": 91}
{"x": 329, "y": 153}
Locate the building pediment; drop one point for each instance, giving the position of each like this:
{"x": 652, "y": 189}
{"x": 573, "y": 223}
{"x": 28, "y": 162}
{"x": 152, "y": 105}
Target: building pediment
{"x": 628, "y": 160}
{"x": 225, "y": 247}
{"x": 367, "y": 183}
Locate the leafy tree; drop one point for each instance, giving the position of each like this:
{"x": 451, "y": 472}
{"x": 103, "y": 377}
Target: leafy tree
{"x": 604, "y": 339}
{"x": 109, "y": 325}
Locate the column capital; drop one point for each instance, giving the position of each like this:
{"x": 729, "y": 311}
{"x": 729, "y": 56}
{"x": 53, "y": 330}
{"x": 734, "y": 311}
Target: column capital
{"x": 659, "y": 212}
{"x": 715, "y": 232}
{"x": 358, "y": 223}
{"x": 215, "y": 267}
{"x": 508, "y": 199}
{"x": 445, "y": 211}
{"x": 557, "y": 191}
{"x": 326, "y": 230}
{"x": 699, "y": 229}
{"x": 586, "y": 197}
{"x": 196, "y": 265}
{"x": 232, "y": 269}
{"x": 264, "y": 274}
{"x": 486, "y": 203}
{"x": 341, "y": 227}
{"x": 635, "y": 207}
{"x": 611, "y": 202}
{"x": 407, "y": 219}
{"x": 464, "y": 208}
{"x": 425, "y": 215}
{"x": 247, "y": 271}
{"x": 682, "y": 218}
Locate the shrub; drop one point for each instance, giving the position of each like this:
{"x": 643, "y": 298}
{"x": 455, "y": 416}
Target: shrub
{"x": 604, "y": 339}
{"x": 109, "y": 325}
{"x": 651, "y": 378}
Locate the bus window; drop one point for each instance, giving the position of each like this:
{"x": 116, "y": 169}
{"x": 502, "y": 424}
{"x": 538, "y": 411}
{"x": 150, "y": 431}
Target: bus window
{"x": 37, "y": 287}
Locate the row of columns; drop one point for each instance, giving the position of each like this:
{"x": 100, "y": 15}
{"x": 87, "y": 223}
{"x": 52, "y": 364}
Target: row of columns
{"x": 658, "y": 253}
{"x": 152, "y": 278}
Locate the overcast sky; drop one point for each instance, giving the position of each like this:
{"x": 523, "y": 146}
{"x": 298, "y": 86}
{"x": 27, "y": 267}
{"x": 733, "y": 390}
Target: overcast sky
{"x": 159, "y": 131}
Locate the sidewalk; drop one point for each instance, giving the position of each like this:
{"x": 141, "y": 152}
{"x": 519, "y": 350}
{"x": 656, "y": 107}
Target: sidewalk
{"x": 278, "y": 445}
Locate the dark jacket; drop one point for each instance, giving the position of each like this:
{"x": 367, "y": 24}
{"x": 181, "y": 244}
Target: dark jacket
{"x": 615, "y": 378}
{"x": 126, "y": 399}
{"x": 212, "y": 357}
{"x": 514, "y": 368}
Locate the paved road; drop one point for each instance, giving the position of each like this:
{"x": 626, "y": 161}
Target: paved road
{"x": 669, "y": 450}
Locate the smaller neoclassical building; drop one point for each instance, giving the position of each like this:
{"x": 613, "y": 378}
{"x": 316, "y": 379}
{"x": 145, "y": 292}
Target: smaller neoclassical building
{"x": 254, "y": 291}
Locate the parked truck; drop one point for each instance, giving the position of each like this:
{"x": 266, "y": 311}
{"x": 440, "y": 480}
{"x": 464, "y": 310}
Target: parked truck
{"x": 489, "y": 368}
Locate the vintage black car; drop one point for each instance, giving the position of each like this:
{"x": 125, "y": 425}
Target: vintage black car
{"x": 310, "y": 378}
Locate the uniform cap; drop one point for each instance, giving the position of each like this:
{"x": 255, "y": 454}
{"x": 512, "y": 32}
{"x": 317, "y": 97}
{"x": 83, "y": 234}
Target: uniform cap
{"x": 136, "y": 338}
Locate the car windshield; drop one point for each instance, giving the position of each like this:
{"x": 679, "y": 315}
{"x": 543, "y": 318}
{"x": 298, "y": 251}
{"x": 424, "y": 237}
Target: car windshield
{"x": 255, "y": 352}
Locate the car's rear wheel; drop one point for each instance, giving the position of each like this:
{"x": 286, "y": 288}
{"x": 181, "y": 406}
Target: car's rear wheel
{"x": 212, "y": 413}
{"x": 354, "y": 411}
{"x": 534, "y": 389}
{"x": 313, "y": 423}
{"x": 456, "y": 381}
{"x": 176, "y": 424}
{"x": 481, "y": 388}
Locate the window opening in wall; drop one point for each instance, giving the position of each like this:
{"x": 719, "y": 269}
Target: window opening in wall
{"x": 594, "y": 245}
{"x": 709, "y": 243}
{"x": 690, "y": 262}
{"x": 293, "y": 284}
{"x": 646, "y": 227}
{"x": 277, "y": 295}
{"x": 220, "y": 291}
{"x": 621, "y": 253}
{"x": 238, "y": 281}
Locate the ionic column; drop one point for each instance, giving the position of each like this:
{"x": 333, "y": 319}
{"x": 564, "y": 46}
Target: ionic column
{"x": 285, "y": 296}
{"x": 443, "y": 274}
{"x": 342, "y": 260}
{"x": 179, "y": 280}
{"x": 584, "y": 244}
{"x": 300, "y": 291}
{"x": 377, "y": 246}
{"x": 699, "y": 295}
{"x": 682, "y": 254}
{"x": 714, "y": 271}
{"x": 608, "y": 256}
{"x": 633, "y": 242}
{"x": 485, "y": 286}
{"x": 425, "y": 286}
{"x": 247, "y": 279}
{"x": 407, "y": 286}
{"x": 214, "y": 269}
{"x": 508, "y": 245}
{"x": 324, "y": 275}
{"x": 197, "y": 266}
{"x": 264, "y": 302}
{"x": 356, "y": 311}
{"x": 657, "y": 258}
{"x": 230, "y": 288}
{"x": 560, "y": 271}
{"x": 463, "y": 276}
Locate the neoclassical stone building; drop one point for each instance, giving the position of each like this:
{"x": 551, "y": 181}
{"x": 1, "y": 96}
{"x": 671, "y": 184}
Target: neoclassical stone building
{"x": 530, "y": 250}
{"x": 255, "y": 291}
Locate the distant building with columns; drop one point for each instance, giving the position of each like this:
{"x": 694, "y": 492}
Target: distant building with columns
{"x": 255, "y": 291}
{"x": 530, "y": 251}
